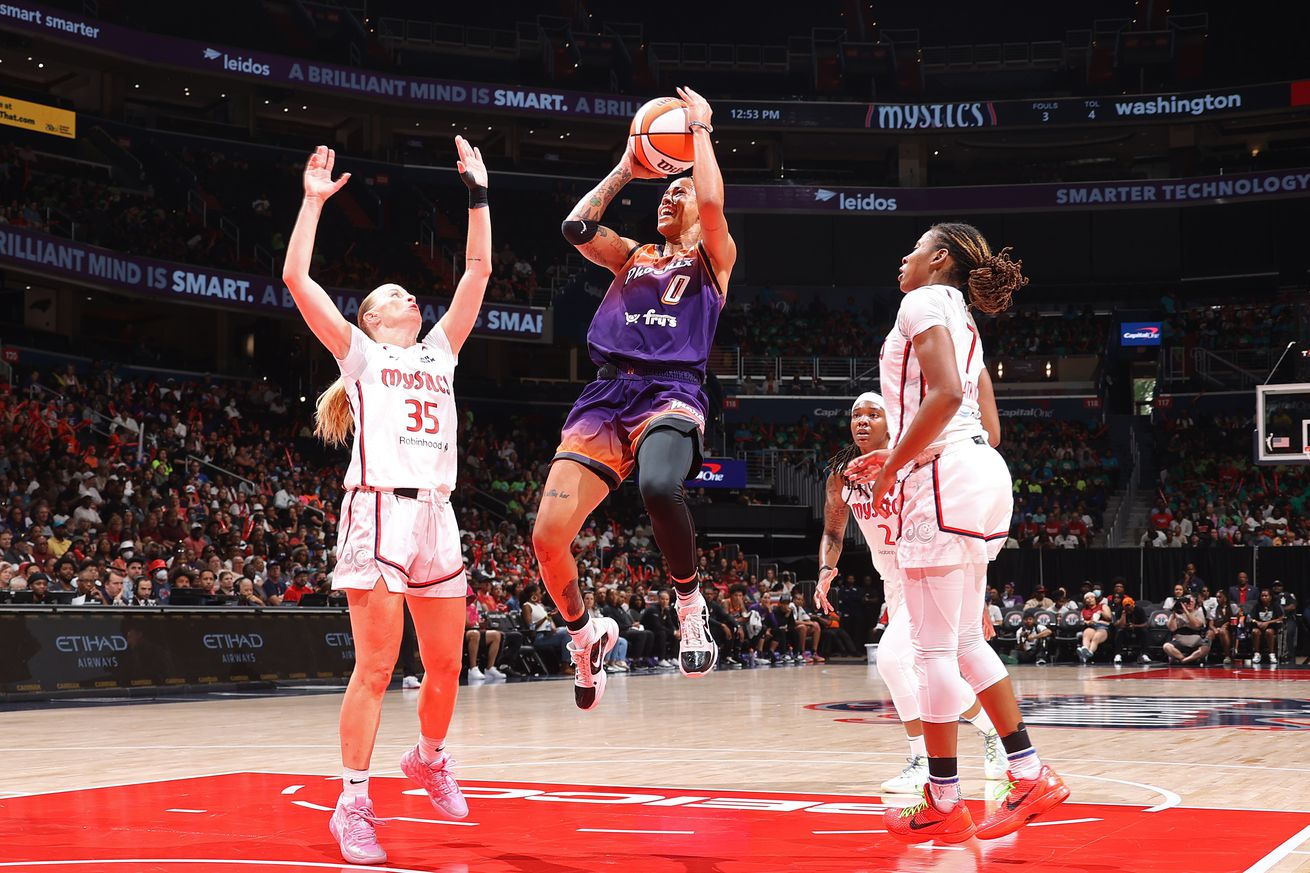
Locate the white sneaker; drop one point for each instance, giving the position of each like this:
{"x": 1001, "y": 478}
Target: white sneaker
{"x": 1144, "y": 659}
{"x": 995, "y": 762}
{"x": 1273, "y": 659}
{"x": 1118, "y": 659}
{"x": 589, "y": 663}
{"x": 911, "y": 780}
{"x": 493, "y": 673}
{"x": 664, "y": 664}
{"x": 1256, "y": 659}
{"x": 476, "y": 675}
{"x": 697, "y": 651}
{"x": 409, "y": 682}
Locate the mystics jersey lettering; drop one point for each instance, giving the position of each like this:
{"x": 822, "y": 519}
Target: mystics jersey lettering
{"x": 879, "y": 524}
{"x": 902, "y": 382}
{"x": 661, "y": 309}
{"x": 404, "y": 409}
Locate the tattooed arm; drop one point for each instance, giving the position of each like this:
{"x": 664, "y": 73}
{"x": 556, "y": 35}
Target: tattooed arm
{"x": 582, "y": 228}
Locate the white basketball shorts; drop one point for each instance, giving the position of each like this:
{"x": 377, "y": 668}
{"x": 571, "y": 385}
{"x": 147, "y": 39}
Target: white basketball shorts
{"x": 412, "y": 543}
{"x": 955, "y": 509}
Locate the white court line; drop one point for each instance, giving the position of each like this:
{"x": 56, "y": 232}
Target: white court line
{"x": 1298, "y": 853}
{"x": 625, "y": 831}
{"x": 1170, "y": 798}
{"x": 186, "y": 810}
{"x": 1039, "y": 824}
{"x": 134, "y": 782}
{"x": 295, "y": 865}
{"x": 458, "y": 824}
{"x": 292, "y": 789}
{"x": 848, "y": 832}
{"x": 1278, "y": 854}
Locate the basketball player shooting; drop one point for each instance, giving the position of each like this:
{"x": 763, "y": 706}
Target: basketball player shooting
{"x": 650, "y": 337}
{"x": 880, "y": 526}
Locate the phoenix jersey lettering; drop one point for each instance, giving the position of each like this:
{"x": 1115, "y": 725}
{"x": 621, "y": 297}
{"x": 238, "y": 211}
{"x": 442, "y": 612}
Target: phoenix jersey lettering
{"x": 879, "y": 524}
{"x": 660, "y": 307}
{"x": 902, "y": 382}
{"x": 404, "y": 411}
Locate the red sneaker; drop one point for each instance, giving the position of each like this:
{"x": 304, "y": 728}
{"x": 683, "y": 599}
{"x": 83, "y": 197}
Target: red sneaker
{"x": 1023, "y": 801}
{"x": 923, "y": 822}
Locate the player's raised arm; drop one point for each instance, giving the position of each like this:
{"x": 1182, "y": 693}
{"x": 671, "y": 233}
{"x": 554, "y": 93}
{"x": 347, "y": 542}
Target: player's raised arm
{"x": 708, "y": 181}
{"x": 597, "y": 243}
{"x": 836, "y": 515}
{"x": 458, "y": 321}
{"x": 315, "y": 306}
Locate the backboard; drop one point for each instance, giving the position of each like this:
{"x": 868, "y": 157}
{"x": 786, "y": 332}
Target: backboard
{"x": 1282, "y": 416}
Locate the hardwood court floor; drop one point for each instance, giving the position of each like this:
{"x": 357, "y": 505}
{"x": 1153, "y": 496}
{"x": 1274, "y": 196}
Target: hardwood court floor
{"x": 754, "y": 770}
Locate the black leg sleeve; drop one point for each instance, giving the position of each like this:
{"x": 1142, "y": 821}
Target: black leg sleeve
{"x": 664, "y": 458}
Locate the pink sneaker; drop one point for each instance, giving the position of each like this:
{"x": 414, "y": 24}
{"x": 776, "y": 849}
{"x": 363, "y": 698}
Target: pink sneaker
{"x": 352, "y": 826}
{"x": 437, "y": 780}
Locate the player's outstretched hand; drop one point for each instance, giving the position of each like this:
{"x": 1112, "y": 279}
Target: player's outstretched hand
{"x": 989, "y": 629}
{"x": 865, "y": 468}
{"x": 698, "y": 108}
{"x": 471, "y": 169}
{"x": 826, "y": 577}
{"x": 318, "y": 175}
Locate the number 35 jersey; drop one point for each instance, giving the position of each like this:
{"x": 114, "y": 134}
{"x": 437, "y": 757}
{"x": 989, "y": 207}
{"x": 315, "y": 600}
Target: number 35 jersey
{"x": 403, "y": 405}
{"x": 661, "y": 310}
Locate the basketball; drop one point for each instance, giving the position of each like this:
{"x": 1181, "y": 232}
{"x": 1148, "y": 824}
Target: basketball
{"x": 660, "y": 137}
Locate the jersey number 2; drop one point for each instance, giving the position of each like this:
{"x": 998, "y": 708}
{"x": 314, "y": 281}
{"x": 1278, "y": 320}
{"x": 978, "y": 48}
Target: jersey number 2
{"x": 886, "y": 535}
{"x": 418, "y": 412}
{"x": 673, "y": 291}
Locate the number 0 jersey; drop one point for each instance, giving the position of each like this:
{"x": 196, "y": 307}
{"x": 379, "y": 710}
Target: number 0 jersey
{"x": 660, "y": 310}
{"x": 404, "y": 410}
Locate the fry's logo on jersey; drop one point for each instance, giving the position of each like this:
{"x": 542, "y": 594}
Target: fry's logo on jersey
{"x": 676, "y": 263}
{"x": 417, "y": 380}
{"x": 651, "y": 317}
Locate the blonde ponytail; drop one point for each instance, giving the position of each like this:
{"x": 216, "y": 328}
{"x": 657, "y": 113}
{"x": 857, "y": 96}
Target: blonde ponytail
{"x": 333, "y": 419}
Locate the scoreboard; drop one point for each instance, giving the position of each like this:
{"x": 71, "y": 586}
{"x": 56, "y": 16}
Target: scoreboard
{"x": 1038, "y": 112}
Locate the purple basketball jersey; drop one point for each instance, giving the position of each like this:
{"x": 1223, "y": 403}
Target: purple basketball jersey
{"x": 659, "y": 310}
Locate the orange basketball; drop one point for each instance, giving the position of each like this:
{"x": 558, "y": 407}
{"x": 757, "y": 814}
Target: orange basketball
{"x": 660, "y": 138}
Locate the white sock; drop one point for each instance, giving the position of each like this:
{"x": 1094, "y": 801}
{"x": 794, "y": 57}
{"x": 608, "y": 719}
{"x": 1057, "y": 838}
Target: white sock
{"x": 981, "y": 722}
{"x": 584, "y": 636}
{"x": 690, "y": 599}
{"x": 1025, "y": 764}
{"x": 429, "y": 749}
{"x": 354, "y": 784}
{"x": 918, "y": 747}
{"x": 945, "y": 793}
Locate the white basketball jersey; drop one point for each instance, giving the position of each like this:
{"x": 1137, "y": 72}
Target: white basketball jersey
{"x": 404, "y": 409}
{"x": 879, "y": 524}
{"x": 902, "y": 382}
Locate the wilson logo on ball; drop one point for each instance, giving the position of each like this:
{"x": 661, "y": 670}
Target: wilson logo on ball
{"x": 660, "y": 139}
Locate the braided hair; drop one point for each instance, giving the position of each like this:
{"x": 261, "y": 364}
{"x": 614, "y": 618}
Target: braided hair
{"x": 836, "y": 466}
{"x": 991, "y": 278}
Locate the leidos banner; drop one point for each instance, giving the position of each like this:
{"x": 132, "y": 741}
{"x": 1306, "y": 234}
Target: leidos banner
{"x": 38, "y": 117}
{"x": 165, "y": 51}
{"x": 90, "y": 33}
{"x": 45, "y": 255}
{"x": 1019, "y": 198}
{"x": 43, "y": 652}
